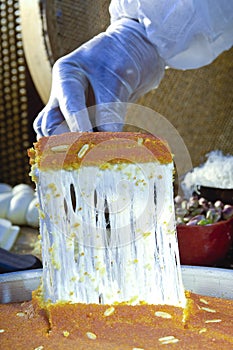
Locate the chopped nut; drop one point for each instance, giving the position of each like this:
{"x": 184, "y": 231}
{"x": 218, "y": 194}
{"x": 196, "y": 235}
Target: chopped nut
{"x": 208, "y": 309}
{"x": 2, "y": 330}
{"x": 203, "y": 330}
{"x": 148, "y": 266}
{"x": 109, "y": 311}
{"x": 91, "y": 335}
{"x": 146, "y": 234}
{"x": 213, "y": 321}
{"x": 163, "y": 314}
{"x": 39, "y": 347}
{"x": 202, "y": 300}
{"x": 133, "y": 300}
{"x": 83, "y": 150}
{"x": 66, "y": 334}
{"x": 20, "y": 314}
{"x": 52, "y": 186}
{"x": 41, "y": 214}
{"x": 170, "y": 339}
{"x": 59, "y": 148}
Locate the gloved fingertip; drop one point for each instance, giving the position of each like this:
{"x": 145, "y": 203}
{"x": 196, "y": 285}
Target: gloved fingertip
{"x": 110, "y": 127}
{"x": 57, "y": 129}
{"x": 79, "y": 121}
{"x": 37, "y": 129}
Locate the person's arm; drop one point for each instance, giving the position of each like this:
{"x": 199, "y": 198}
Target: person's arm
{"x": 118, "y": 65}
{"x": 128, "y": 60}
{"x": 188, "y": 34}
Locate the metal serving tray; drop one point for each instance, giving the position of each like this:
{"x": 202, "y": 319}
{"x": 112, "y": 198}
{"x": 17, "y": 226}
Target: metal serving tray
{"x": 217, "y": 282}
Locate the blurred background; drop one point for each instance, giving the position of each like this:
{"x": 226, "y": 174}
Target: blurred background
{"x": 35, "y": 33}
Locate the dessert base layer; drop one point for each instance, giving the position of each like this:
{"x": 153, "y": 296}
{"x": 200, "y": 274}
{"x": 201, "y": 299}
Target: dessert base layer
{"x": 67, "y": 151}
{"x": 206, "y": 323}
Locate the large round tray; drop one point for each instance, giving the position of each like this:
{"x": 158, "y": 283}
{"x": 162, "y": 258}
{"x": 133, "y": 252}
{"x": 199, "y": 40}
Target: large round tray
{"x": 216, "y": 282}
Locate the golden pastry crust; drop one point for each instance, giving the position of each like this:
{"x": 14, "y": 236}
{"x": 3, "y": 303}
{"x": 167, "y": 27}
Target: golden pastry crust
{"x": 89, "y": 326}
{"x": 70, "y": 150}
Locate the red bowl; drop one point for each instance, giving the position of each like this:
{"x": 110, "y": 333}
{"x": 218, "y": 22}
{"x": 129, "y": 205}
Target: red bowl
{"x": 205, "y": 245}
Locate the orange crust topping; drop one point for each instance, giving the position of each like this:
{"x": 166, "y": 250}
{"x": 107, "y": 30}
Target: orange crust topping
{"x": 112, "y": 327}
{"x": 70, "y": 150}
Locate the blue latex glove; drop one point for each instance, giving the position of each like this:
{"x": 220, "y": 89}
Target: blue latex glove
{"x": 118, "y": 65}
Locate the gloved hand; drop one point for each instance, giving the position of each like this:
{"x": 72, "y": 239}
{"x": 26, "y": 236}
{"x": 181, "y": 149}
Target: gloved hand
{"x": 118, "y": 65}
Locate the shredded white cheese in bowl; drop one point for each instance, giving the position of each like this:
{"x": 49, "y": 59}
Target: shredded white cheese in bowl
{"x": 216, "y": 172}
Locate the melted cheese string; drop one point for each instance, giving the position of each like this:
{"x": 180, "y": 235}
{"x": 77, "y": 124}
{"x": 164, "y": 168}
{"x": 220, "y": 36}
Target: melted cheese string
{"x": 108, "y": 235}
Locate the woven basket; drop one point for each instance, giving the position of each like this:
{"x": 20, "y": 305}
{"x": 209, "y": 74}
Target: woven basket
{"x": 199, "y": 103}
{"x": 16, "y": 132}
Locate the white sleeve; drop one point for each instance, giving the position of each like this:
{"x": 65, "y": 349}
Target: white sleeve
{"x": 187, "y": 33}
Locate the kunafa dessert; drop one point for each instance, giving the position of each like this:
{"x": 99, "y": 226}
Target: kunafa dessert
{"x": 111, "y": 270}
{"x": 107, "y": 219}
